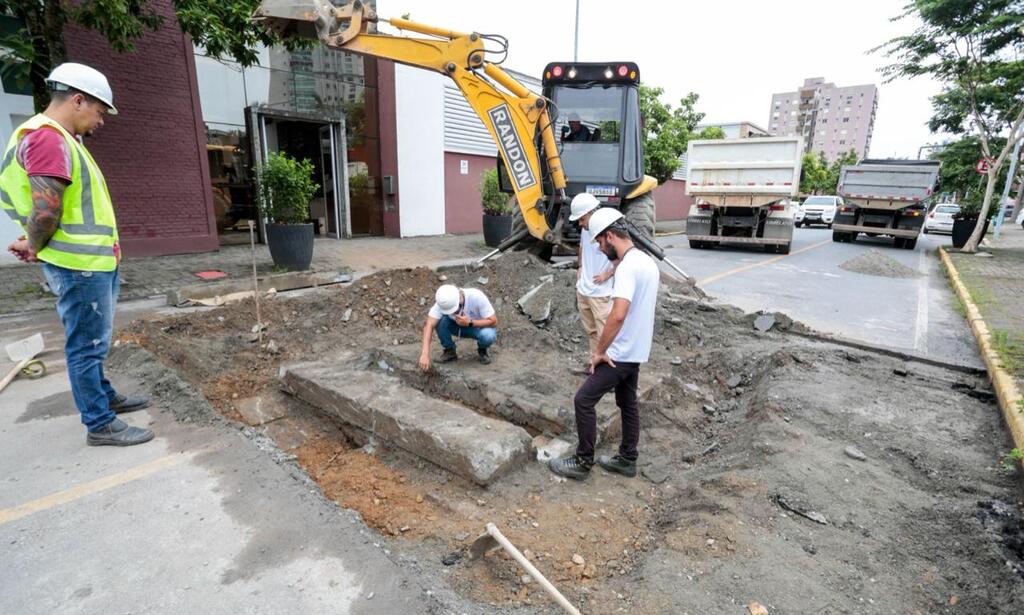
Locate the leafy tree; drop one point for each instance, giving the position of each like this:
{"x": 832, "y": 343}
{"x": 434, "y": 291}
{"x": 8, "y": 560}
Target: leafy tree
{"x": 814, "y": 174}
{"x": 667, "y": 130}
{"x": 711, "y": 132}
{"x": 222, "y": 27}
{"x": 834, "y": 169}
{"x": 975, "y": 48}
{"x": 957, "y": 175}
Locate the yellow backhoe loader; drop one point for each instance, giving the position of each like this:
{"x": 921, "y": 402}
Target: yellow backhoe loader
{"x": 593, "y": 107}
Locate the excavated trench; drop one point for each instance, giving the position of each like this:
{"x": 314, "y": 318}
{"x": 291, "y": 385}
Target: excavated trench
{"x": 800, "y": 474}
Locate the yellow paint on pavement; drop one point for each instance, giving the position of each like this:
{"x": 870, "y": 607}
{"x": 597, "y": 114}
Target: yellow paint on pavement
{"x": 101, "y": 484}
{"x": 725, "y": 274}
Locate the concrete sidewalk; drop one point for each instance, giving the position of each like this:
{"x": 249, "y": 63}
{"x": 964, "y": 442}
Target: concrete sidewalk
{"x": 21, "y": 285}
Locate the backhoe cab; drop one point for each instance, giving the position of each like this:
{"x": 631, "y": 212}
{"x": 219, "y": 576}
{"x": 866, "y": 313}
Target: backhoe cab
{"x": 596, "y": 110}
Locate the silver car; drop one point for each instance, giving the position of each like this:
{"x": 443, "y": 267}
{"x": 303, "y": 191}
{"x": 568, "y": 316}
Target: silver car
{"x": 940, "y": 218}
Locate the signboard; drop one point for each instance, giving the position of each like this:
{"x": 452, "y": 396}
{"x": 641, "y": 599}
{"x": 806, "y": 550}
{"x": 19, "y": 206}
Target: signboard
{"x": 982, "y": 166}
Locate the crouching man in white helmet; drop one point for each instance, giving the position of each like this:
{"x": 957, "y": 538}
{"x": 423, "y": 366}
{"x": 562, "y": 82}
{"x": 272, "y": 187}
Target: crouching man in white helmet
{"x": 625, "y": 344}
{"x": 459, "y": 312}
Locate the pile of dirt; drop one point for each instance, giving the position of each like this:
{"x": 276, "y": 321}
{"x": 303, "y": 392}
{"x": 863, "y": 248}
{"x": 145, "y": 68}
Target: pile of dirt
{"x": 738, "y": 421}
{"x": 873, "y": 262}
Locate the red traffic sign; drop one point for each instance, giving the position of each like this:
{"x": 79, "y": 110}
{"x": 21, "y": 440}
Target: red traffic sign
{"x": 982, "y": 165}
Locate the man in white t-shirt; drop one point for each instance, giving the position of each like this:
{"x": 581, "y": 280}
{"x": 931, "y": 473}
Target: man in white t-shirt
{"x": 624, "y": 345}
{"x": 593, "y": 278}
{"x": 459, "y": 312}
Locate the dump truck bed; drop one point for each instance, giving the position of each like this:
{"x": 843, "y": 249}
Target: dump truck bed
{"x": 758, "y": 170}
{"x": 888, "y": 184}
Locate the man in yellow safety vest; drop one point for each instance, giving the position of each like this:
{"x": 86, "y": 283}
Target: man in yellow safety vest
{"x": 51, "y": 186}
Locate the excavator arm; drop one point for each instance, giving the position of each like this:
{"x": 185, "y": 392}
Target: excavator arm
{"x": 513, "y": 117}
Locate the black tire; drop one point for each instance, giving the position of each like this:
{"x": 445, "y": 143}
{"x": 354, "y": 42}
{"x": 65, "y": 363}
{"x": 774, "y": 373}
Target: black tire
{"x": 851, "y": 237}
{"x": 900, "y": 243}
{"x": 697, "y": 245}
{"x": 829, "y": 225}
{"x": 640, "y": 213}
{"x": 838, "y": 237}
{"x": 910, "y": 244}
{"x": 784, "y": 248}
{"x": 925, "y": 230}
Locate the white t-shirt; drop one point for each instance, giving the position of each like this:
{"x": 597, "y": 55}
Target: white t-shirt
{"x": 636, "y": 278}
{"x": 477, "y": 307}
{"x": 592, "y": 262}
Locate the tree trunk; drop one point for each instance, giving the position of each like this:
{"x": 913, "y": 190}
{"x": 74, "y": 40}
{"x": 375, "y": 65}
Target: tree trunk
{"x": 1020, "y": 197}
{"x": 972, "y": 244}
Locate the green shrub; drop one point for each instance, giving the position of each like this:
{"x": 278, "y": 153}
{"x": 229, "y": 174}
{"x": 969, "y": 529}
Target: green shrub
{"x": 494, "y": 201}
{"x": 284, "y": 187}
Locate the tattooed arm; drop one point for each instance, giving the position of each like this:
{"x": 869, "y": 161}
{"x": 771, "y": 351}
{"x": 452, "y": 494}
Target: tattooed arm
{"x": 47, "y": 206}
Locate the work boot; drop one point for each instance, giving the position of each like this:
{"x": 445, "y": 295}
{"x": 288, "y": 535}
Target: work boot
{"x": 573, "y": 466}
{"x": 123, "y": 403}
{"x": 482, "y": 356}
{"x": 617, "y": 464}
{"x": 118, "y": 433}
{"x": 448, "y": 356}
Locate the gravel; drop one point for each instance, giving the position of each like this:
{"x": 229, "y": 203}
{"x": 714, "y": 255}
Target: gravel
{"x": 874, "y": 262}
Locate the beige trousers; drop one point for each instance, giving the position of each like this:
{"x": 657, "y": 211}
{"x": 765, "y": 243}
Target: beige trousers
{"x": 593, "y": 314}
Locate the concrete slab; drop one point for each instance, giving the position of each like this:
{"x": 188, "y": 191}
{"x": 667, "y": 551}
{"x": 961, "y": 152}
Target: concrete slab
{"x": 261, "y": 409}
{"x": 450, "y": 435}
{"x": 280, "y": 282}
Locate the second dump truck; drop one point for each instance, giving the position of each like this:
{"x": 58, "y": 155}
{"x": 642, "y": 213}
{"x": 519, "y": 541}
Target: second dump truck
{"x": 885, "y": 197}
{"x": 743, "y": 189}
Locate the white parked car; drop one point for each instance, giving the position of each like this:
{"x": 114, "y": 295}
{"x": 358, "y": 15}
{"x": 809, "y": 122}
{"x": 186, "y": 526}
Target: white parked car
{"x": 940, "y": 218}
{"x": 798, "y": 212}
{"x": 820, "y": 210}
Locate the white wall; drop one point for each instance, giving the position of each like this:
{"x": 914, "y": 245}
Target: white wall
{"x": 15, "y": 110}
{"x": 419, "y": 112}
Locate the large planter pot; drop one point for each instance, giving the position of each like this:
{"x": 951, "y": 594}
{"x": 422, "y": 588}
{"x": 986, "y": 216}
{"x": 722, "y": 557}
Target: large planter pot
{"x": 962, "y": 229}
{"x": 291, "y": 245}
{"x": 496, "y": 229}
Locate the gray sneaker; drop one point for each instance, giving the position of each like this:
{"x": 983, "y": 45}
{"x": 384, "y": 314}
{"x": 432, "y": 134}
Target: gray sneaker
{"x": 124, "y": 403}
{"x": 573, "y": 466}
{"x": 118, "y": 433}
{"x": 617, "y": 464}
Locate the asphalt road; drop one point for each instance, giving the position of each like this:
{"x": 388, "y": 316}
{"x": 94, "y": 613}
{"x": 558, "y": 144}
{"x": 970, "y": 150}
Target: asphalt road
{"x": 908, "y": 314}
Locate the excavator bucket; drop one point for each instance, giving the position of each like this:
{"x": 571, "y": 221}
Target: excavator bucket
{"x": 316, "y": 19}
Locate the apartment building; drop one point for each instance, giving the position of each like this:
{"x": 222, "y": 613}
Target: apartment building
{"x": 830, "y": 119}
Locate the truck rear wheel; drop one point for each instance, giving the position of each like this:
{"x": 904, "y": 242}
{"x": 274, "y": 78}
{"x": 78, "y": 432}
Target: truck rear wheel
{"x": 900, "y": 243}
{"x": 910, "y": 244}
{"x": 783, "y": 249}
{"x": 640, "y": 213}
{"x": 697, "y": 245}
{"x": 838, "y": 237}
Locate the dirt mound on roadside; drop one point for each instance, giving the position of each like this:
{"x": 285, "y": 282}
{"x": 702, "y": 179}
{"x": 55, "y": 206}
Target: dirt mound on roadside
{"x": 874, "y": 262}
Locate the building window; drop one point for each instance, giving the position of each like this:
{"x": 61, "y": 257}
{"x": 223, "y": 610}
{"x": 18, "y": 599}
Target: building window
{"x": 846, "y": 120}
{"x": 792, "y": 112}
{"x": 824, "y": 120}
{"x": 842, "y": 142}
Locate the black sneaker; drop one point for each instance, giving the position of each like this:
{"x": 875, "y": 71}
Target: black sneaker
{"x": 118, "y": 433}
{"x": 617, "y": 464}
{"x": 482, "y": 356}
{"x": 573, "y": 466}
{"x": 123, "y": 403}
{"x": 448, "y": 356}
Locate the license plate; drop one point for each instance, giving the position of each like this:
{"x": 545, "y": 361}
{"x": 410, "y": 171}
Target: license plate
{"x": 877, "y": 219}
{"x": 603, "y": 190}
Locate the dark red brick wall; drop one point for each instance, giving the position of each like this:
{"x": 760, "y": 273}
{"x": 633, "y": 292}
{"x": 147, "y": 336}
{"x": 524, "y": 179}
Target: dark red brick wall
{"x": 389, "y": 145}
{"x": 462, "y": 210}
{"x": 671, "y": 201}
{"x": 153, "y": 153}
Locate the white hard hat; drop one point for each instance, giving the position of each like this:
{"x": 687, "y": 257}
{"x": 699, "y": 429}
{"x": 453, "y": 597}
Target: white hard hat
{"x": 574, "y": 117}
{"x": 602, "y": 219}
{"x": 447, "y": 298}
{"x": 582, "y": 203}
{"x": 85, "y": 79}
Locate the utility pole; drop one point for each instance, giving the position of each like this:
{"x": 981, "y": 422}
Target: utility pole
{"x": 576, "y": 39}
{"x": 1006, "y": 188}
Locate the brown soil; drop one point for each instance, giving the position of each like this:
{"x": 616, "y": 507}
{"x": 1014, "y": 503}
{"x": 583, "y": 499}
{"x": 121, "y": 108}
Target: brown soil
{"x": 739, "y": 421}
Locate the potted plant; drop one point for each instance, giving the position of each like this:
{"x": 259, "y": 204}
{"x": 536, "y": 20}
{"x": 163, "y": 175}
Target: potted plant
{"x": 967, "y": 218}
{"x": 284, "y": 188}
{"x": 497, "y": 209}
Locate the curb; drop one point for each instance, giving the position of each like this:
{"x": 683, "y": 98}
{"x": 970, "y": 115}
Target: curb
{"x": 1004, "y": 384}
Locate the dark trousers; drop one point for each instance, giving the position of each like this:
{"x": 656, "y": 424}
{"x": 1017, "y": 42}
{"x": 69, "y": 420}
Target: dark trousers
{"x": 623, "y": 379}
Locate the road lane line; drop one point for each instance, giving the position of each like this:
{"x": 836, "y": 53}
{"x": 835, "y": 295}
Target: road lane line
{"x": 725, "y": 274}
{"x": 921, "y": 324}
{"x": 80, "y": 491}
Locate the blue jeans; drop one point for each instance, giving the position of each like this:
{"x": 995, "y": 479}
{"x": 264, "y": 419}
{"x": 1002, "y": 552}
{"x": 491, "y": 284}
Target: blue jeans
{"x": 85, "y": 303}
{"x": 446, "y": 328}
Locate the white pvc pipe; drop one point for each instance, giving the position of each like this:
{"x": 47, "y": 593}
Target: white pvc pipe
{"x": 525, "y": 563}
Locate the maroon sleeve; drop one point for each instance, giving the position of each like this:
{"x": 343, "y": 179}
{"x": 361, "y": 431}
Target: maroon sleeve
{"x": 44, "y": 152}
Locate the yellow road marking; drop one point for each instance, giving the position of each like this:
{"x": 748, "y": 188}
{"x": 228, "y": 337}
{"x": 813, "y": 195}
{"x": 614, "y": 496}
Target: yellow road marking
{"x": 101, "y": 484}
{"x": 725, "y": 274}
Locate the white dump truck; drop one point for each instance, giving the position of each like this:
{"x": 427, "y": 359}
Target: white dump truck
{"x": 885, "y": 197}
{"x": 743, "y": 190}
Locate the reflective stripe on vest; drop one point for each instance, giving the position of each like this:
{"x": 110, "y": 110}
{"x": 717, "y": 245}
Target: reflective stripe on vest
{"x": 85, "y": 243}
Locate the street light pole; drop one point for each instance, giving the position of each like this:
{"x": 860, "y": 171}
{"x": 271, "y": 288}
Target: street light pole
{"x": 1006, "y": 188}
{"x": 576, "y": 39}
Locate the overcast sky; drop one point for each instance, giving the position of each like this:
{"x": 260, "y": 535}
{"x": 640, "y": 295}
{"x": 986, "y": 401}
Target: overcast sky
{"x": 735, "y": 54}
